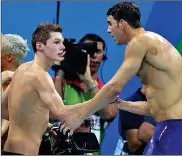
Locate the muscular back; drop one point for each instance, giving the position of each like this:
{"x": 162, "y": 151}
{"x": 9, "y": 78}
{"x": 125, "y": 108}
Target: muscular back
{"x": 26, "y": 110}
{"x": 161, "y": 72}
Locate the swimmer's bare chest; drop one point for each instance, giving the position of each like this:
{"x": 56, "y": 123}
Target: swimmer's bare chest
{"x": 27, "y": 110}
{"x": 160, "y": 90}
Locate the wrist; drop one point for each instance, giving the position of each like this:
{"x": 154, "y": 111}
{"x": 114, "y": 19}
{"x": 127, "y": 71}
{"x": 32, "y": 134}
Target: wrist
{"x": 117, "y": 99}
{"x": 87, "y": 81}
{"x": 58, "y": 78}
{"x": 60, "y": 74}
{"x": 91, "y": 84}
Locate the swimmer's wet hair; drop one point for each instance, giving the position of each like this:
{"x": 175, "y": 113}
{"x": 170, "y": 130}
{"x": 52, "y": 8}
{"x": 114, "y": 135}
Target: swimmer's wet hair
{"x": 128, "y": 11}
{"x": 42, "y": 33}
{"x": 15, "y": 44}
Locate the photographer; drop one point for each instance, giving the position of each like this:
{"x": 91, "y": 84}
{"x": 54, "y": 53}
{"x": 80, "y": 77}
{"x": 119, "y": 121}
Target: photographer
{"x": 87, "y": 86}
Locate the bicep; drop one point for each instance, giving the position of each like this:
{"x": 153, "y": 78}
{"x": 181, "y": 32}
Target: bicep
{"x": 129, "y": 68}
{"x": 58, "y": 83}
{"x": 133, "y": 59}
{"x": 50, "y": 97}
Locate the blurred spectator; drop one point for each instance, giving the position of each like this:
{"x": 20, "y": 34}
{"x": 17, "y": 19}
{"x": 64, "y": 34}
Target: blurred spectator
{"x": 13, "y": 53}
{"x": 2, "y": 40}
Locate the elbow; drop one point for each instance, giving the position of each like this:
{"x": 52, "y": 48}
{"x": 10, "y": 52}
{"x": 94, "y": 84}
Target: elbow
{"x": 115, "y": 88}
{"x": 108, "y": 113}
{"x": 57, "y": 114}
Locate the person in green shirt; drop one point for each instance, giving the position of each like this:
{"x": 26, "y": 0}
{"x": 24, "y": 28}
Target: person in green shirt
{"x": 86, "y": 87}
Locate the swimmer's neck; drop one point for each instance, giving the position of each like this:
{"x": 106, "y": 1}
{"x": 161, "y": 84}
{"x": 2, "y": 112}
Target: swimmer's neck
{"x": 41, "y": 61}
{"x": 133, "y": 32}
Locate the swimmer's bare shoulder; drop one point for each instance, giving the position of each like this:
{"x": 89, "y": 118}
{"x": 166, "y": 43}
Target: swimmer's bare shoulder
{"x": 23, "y": 67}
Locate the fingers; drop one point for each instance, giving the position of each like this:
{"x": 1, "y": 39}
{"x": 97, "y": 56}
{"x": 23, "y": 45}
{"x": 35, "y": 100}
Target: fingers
{"x": 49, "y": 127}
{"x": 115, "y": 106}
{"x": 62, "y": 126}
{"x": 88, "y": 60}
{"x": 65, "y": 129}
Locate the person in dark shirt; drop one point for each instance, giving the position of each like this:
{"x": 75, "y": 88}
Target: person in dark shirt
{"x": 133, "y": 128}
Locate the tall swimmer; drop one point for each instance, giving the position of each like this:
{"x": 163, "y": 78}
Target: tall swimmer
{"x": 159, "y": 66}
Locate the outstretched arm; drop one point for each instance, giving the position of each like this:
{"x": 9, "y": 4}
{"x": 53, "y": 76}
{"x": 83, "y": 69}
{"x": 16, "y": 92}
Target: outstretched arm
{"x": 134, "y": 55}
{"x": 139, "y": 107}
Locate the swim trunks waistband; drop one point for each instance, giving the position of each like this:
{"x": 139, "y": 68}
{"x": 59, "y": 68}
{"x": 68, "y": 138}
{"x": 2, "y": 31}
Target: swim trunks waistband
{"x": 10, "y": 153}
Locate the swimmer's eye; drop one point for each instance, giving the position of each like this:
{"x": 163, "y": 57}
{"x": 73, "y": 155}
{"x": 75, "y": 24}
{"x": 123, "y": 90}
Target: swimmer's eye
{"x": 57, "y": 42}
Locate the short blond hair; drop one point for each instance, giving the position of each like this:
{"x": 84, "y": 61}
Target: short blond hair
{"x": 15, "y": 44}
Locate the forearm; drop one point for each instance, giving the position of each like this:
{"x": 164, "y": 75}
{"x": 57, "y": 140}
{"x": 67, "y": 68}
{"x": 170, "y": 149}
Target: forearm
{"x": 59, "y": 82}
{"x": 101, "y": 99}
{"x": 57, "y": 115}
{"x": 139, "y": 107}
{"x": 59, "y": 86}
{"x": 92, "y": 86}
{"x": 94, "y": 91}
{"x": 109, "y": 112}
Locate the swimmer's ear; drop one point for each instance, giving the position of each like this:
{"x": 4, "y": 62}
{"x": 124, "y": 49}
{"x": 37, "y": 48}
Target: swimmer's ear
{"x": 10, "y": 57}
{"x": 121, "y": 23}
{"x": 39, "y": 46}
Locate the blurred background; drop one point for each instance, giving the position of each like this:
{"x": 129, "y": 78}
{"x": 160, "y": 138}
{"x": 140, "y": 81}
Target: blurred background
{"x": 79, "y": 18}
